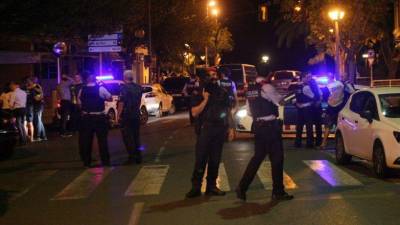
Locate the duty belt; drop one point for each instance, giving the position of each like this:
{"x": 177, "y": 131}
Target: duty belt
{"x": 94, "y": 113}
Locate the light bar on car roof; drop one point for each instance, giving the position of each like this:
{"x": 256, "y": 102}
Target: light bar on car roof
{"x": 105, "y": 77}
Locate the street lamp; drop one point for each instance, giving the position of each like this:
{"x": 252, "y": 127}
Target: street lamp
{"x": 336, "y": 15}
{"x": 215, "y": 12}
{"x": 212, "y": 3}
{"x": 265, "y": 59}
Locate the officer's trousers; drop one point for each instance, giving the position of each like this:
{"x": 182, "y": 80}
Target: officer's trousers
{"x": 268, "y": 140}
{"x": 304, "y": 117}
{"x": 91, "y": 125}
{"x": 317, "y": 122}
{"x": 208, "y": 151}
{"x": 131, "y": 136}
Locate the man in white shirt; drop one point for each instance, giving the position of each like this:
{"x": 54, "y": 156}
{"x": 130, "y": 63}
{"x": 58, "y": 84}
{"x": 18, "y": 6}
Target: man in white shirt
{"x": 17, "y": 102}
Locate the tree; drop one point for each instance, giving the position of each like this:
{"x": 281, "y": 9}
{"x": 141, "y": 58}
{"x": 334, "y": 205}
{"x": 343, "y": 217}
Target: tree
{"x": 365, "y": 20}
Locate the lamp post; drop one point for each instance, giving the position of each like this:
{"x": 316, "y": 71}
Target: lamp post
{"x": 336, "y": 15}
{"x": 265, "y": 59}
{"x": 214, "y": 12}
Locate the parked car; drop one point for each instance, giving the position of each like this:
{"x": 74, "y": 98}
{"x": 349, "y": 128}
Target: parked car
{"x": 157, "y": 101}
{"x": 369, "y": 128}
{"x": 283, "y": 80}
{"x": 174, "y": 86}
{"x": 8, "y": 135}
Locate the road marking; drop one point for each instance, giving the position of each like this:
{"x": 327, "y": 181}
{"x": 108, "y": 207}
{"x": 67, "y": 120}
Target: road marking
{"x": 136, "y": 213}
{"x": 159, "y": 154}
{"x": 43, "y": 175}
{"x": 222, "y": 179}
{"x": 332, "y": 174}
{"x": 148, "y": 181}
{"x": 84, "y": 184}
{"x": 265, "y": 176}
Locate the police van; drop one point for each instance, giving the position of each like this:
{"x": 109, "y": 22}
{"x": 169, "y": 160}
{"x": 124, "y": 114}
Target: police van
{"x": 241, "y": 74}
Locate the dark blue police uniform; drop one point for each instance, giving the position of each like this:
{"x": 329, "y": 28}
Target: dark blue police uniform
{"x": 304, "y": 106}
{"x": 94, "y": 122}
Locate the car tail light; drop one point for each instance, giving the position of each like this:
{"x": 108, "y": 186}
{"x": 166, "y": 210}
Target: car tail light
{"x": 397, "y": 135}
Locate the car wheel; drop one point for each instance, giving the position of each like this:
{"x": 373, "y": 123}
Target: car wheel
{"x": 341, "y": 156}
{"x": 379, "y": 161}
{"x": 144, "y": 115}
{"x": 159, "y": 112}
{"x": 112, "y": 117}
{"x": 172, "y": 110}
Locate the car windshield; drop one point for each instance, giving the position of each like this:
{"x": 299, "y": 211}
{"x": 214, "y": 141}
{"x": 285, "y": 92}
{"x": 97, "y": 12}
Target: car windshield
{"x": 390, "y": 105}
{"x": 283, "y": 75}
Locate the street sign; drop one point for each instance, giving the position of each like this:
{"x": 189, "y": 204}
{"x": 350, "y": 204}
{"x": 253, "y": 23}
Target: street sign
{"x": 103, "y": 43}
{"x": 371, "y": 57}
{"x": 105, "y": 49}
{"x": 105, "y": 37}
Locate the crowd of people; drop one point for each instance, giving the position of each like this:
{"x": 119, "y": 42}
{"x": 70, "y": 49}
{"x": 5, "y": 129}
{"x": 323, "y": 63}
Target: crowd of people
{"x": 24, "y": 101}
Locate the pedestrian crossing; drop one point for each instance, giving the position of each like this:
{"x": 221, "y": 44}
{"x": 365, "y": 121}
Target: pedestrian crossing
{"x": 151, "y": 179}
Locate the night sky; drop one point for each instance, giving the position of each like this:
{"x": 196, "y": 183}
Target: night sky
{"x": 252, "y": 38}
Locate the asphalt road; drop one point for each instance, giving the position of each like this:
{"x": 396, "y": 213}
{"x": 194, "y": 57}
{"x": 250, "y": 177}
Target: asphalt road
{"x": 45, "y": 184}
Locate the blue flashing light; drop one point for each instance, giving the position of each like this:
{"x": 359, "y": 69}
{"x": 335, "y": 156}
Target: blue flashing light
{"x": 105, "y": 77}
{"x": 322, "y": 80}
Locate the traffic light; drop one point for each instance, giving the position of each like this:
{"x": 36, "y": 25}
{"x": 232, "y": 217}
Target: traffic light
{"x": 263, "y": 13}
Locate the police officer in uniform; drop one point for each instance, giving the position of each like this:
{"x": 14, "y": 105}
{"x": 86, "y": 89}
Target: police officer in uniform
{"x": 129, "y": 113}
{"x": 213, "y": 109}
{"x": 230, "y": 87}
{"x": 316, "y": 109}
{"x": 94, "y": 121}
{"x": 263, "y": 101}
{"x": 304, "y": 105}
{"x": 192, "y": 88}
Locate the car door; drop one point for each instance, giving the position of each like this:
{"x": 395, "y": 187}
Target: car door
{"x": 349, "y": 119}
{"x": 365, "y": 128}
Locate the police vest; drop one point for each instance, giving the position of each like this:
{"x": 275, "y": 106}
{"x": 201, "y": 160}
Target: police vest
{"x": 259, "y": 106}
{"x": 91, "y": 100}
{"x": 302, "y": 98}
{"x": 227, "y": 84}
{"x": 217, "y": 109}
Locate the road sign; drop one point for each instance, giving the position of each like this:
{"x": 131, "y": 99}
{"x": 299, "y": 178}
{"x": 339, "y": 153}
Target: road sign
{"x": 105, "y": 49}
{"x": 103, "y": 43}
{"x": 116, "y": 36}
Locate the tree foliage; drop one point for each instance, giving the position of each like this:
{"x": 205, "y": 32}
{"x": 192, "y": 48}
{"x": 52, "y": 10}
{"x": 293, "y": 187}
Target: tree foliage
{"x": 365, "y": 21}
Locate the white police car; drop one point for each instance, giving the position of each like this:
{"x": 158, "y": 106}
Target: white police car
{"x": 369, "y": 128}
{"x": 114, "y": 87}
{"x": 287, "y": 113}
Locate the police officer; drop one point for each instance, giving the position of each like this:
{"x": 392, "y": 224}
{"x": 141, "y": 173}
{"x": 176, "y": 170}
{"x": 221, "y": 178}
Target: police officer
{"x": 316, "y": 109}
{"x": 191, "y": 88}
{"x": 263, "y": 101}
{"x": 230, "y": 87}
{"x": 129, "y": 113}
{"x": 213, "y": 109}
{"x": 304, "y": 105}
{"x": 94, "y": 121}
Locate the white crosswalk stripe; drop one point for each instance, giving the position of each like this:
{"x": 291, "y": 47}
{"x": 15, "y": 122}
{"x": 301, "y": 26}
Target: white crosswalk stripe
{"x": 332, "y": 174}
{"x": 265, "y": 176}
{"x": 148, "y": 181}
{"x": 222, "y": 180}
{"x": 84, "y": 184}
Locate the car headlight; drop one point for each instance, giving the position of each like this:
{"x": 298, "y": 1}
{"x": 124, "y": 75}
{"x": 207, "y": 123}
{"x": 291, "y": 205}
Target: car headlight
{"x": 241, "y": 113}
{"x": 397, "y": 135}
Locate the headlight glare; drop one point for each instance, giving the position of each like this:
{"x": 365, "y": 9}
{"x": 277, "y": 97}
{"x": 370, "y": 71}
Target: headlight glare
{"x": 242, "y": 113}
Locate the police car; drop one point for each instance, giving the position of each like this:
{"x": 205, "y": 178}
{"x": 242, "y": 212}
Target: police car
{"x": 287, "y": 113}
{"x": 114, "y": 87}
{"x": 157, "y": 101}
{"x": 369, "y": 128}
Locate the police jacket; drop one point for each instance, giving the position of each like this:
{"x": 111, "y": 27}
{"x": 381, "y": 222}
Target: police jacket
{"x": 259, "y": 106}
{"x": 229, "y": 87}
{"x": 302, "y": 99}
{"x": 91, "y": 100}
